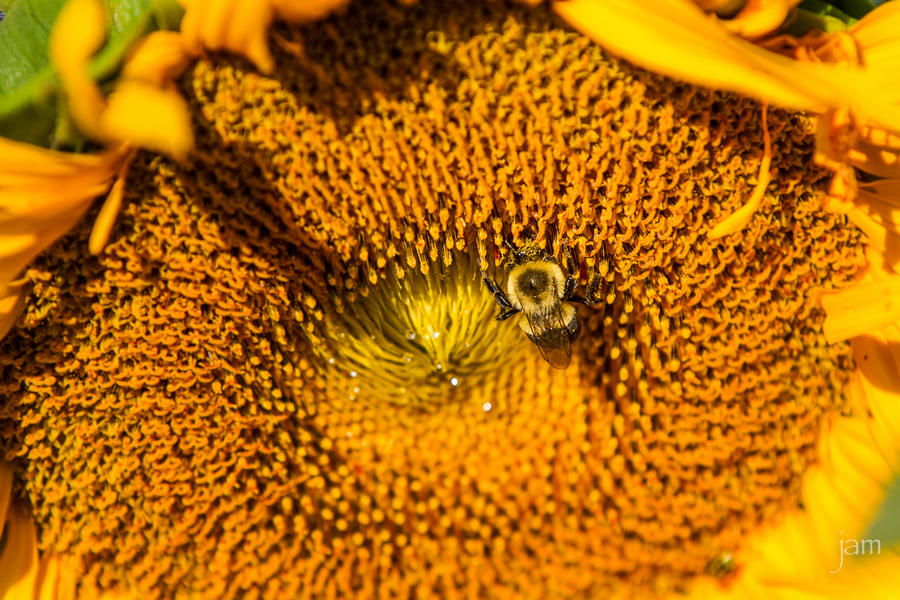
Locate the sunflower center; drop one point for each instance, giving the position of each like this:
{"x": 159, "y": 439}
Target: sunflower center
{"x": 172, "y": 407}
{"x": 421, "y": 339}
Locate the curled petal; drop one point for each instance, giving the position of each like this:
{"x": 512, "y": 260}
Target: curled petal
{"x": 742, "y": 216}
{"x": 163, "y": 123}
{"x": 12, "y": 303}
{"x": 233, "y": 25}
{"x": 109, "y": 211}
{"x": 144, "y": 115}
{"x": 759, "y": 17}
{"x": 5, "y": 492}
{"x": 157, "y": 58}
{"x": 816, "y": 46}
{"x": 300, "y": 11}
{"x": 78, "y": 32}
{"x": 18, "y": 558}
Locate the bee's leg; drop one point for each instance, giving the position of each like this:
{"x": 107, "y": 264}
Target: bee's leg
{"x": 569, "y": 288}
{"x": 508, "y": 314}
{"x": 594, "y": 295}
{"x": 571, "y": 281}
{"x": 595, "y": 291}
{"x": 499, "y": 297}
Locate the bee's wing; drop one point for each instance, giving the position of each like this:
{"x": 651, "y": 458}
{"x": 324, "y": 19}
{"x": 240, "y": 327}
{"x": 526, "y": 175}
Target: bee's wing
{"x": 553, "y": 339}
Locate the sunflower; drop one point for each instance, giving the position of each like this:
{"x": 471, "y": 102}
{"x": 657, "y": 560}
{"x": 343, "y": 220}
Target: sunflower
{"x": 264, "y": 363}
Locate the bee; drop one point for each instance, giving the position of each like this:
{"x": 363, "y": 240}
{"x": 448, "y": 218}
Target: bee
{"x": 721, "y": 565}
{"x": 537, "y": 287}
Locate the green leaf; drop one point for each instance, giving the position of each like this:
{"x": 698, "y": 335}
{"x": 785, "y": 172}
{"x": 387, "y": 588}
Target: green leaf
{"x": 858, "y": 8}
{"x": 804, "y": 21}
{"x": 826, "y": 9}
{"x": 886, "y": 526}
{"x": 29, "y": 89}
{"x": 128, "y": 20}
{"x": 25, "y": 65}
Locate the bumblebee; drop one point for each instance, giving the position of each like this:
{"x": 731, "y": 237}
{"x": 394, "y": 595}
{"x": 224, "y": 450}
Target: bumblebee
{"x": 721, "y": 565}
{"x": 537, "y": 287}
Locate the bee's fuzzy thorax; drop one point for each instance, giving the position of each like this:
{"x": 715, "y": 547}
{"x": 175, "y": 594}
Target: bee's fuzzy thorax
{"x": 541, "y": 300}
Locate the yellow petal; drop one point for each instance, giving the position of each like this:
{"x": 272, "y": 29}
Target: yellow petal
{"x": 43, "y": 194}
{"x": 18, "y": 558}
{"x": 56, "y": 578}
{"x": 12, "y": 303}
{"x": 877, "y": 214}
{"x": 22, "y": 164}
{"x": 157, "y": 58}
{"x": 78, "y": 32}
{"x": 881, "y": 199}
{"x": 759, "y": 17}
{"x": 5, "y": 492}
{"x": 876, "y": 160}
{"x": 877, "y": 355}
{"x": 876, "y": 34}
{"x": 301, "y": 11}
{"x": 55, "y": 212}
{"x": 679, "y": 40}
{"x": 147, "y": 116}
{"x": 861, "y": 308}
{"x": 249, "y": 30}
{"x": 234, "y": 25}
